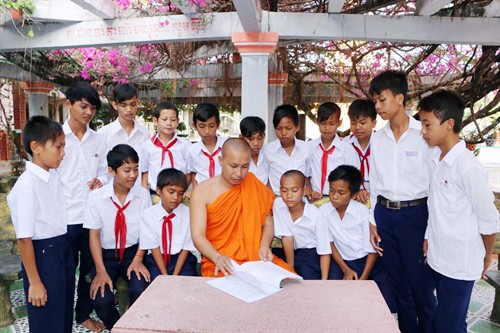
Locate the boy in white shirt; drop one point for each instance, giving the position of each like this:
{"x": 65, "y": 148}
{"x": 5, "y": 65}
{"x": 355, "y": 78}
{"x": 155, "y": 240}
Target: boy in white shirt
{"x": 203, "y": 155}
{"x": 253, "y": 131}
{"x": 113, "y": 216}
{"x": 328, "y": 151}
{"x": 399, "y": 184}
{"x": 463, "y": 220}
{"x": 83, "y": 170}
{"x": 302, "y": 229}
{"x": 286, "y": 152}
{"x": 39, "y": 215}
{"x": 165, "y": 149}
{"x": 165, "y": 229}
{"x": 363, "y": 117}
{"x": 125, "y": 129}
{"x": 353, "y": 257}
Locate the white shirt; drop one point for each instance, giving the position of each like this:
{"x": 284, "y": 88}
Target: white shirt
{"x": 342, "y": 154}
{"x": 461, "y": 209}
{"x": 309, "y": 231}
{"x": 37, "y": 204}
{"x": 352, "y": 140}
{"x": 115, "y": 134}
{"x": 398, "y": 170}
{"x": 150, "y": 159}
{"x": 152, "y": 224}
{"x": 199, "y": 163}
{"x": 261, "y": 169}
{"x": 84, "y": 160}
{"x": 279, "y": 161}
{"x": 101, "y": 213}
{"x": 351, "y": 235}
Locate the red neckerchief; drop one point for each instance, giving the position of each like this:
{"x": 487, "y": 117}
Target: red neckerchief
{"x": 167, "y": 246}
{"x": 165, "y": 149}
{"x": 363, "y": 158}
{"x": 211, "y": 168}
{"x": 120, "y": 228}
{"x": 324, "y": 164}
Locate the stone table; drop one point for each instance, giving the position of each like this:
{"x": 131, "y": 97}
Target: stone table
{"x": 189, "y": 304}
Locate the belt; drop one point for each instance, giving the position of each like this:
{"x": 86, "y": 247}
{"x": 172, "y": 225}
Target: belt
{"x": 400, "y": 204}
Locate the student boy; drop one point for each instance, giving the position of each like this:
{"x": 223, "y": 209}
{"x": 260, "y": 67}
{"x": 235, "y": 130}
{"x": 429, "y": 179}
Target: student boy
{"x": 203, "y": 155}
{"x": 463, "y": 220}
{"x": 39, "y": 216}
{"x": 363, "y": 117}
{"x": 353, "y": 257}
{"x": 399, "y": 189}
{"x": 113, "y": 216}
{"x": 253, "y": 130}
{"x": 83, "y": 169}
{"x": 286, "y": 152}
{"x": 125, "y": 129}
{"x": 328, "y": 151}
{"x": 302, "y": 229}
{"x": 165, "y": 149}
{"x": 165, "y": 229}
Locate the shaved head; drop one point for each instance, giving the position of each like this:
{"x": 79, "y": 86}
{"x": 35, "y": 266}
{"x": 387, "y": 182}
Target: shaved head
{"x": 235, "y": 145}
{"x": 295, "y": 173}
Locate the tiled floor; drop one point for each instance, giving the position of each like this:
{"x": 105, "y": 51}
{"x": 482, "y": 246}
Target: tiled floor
{"x": 477, "y": 319}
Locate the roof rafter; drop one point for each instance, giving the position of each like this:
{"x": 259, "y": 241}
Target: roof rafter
{"x": 335, "y": 6}
{"x": 105, "y": 9}
{"x": 429, "y": 7}
{"x": 250, "y": 14}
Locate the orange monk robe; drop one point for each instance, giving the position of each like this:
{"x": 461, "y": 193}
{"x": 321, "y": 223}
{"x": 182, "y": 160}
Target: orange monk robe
{"x": 235, "y": 220}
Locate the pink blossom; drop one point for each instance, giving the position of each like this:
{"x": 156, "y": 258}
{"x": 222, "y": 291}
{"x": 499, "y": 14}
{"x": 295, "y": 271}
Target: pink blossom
{"x": 146, "y": 68}
{"x": 123, "y": 4}
{"x": 323, "y": 77}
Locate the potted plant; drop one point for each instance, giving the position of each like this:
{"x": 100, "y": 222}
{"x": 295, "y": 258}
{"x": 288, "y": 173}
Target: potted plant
{"x": 491, "y": 140}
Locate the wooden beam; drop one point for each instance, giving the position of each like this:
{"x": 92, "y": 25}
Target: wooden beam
{"x": 430, "y": 7}
{"x": 105, "y": 9}
{"x": 250, "y": 14}
{"x": 335, "y": 6}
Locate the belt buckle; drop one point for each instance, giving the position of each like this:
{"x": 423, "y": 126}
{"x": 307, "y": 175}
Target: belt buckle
{"x": 393, "y": 204}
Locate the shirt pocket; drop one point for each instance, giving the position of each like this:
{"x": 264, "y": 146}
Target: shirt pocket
{"x": 93, "y": 163}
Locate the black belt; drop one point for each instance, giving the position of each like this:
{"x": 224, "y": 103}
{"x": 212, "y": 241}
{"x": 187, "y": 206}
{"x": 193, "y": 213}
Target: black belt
{"x": 400, "y": 204}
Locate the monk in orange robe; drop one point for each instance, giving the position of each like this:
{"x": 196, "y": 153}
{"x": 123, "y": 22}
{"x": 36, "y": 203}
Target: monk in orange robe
{"x": 231, "y": 215}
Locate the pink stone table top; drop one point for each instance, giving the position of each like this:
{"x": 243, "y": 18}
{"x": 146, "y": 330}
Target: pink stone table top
{"x": 189, "y": 304}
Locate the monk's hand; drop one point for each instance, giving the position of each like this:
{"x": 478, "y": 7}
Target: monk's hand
{"x": 223, "y": 265}
{"x": 265, "y": 254}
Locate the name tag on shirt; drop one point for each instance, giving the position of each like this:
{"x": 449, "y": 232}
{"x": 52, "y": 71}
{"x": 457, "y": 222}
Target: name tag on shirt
{"x": 411, "y": 153}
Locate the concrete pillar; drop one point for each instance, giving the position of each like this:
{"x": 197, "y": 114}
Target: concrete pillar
{"x": 275, "y": 98}
{"x": 255, "y": 49}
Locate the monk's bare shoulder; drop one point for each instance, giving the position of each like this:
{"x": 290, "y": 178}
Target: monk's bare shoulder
{"x": 209, "y": 190}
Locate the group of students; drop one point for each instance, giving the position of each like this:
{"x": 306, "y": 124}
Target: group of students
{"x": 407, "y": 206}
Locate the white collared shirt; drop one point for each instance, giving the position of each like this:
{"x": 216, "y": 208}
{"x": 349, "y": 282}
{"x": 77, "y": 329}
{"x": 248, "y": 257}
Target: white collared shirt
{"x": 199, "y": 163}
{"x": 352, "y": 140}
{"x": 37, "y": 204}
{"x": 150, "y": 159}
{"x": 261, "y": 169}
{"x": 152, "y": 224}
{"x": 101, "y": 213}
{"x": 309, "y": 231}
{"x": 84, "y": 160}
{"x": 342, "y": 154}
{"x": 351, "y": 235}
{"x": 398, "y": 170}
{"x": 279, "y": 162}
{"x": 461, "y": 209}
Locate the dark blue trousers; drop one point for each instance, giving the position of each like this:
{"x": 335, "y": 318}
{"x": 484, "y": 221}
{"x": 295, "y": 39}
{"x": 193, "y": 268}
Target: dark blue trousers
{"x": 453, "y": 302}
{"x": 402, "y": 233}
{"x": 54, "y": 261}
{"x": 105, "y": 306}
{"x": 377, "y": 274}
{"x": 83, "y": 258}
{"x": 306, "y": 264}
{"x": 189, "y": 268}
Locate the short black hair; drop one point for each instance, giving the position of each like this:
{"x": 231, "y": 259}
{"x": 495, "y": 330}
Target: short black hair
{"x": 291, "y": 173}
{"x": 123, "y": 92}
{"x": 392, "y": 80}
{"x": 205, "y": 111}
{"x": 349, "y": 174}
{"x": 165, "y": 106}
{"x": 80, "y": 90}
{"x": 252, "y": 125}
{"x": 445, "y": 104}
{"x": 285, "y": 111}
{"x": 41, "y": 130}
{"x": 326, "y": 110}
{"x": 121, "y": 154}
{"x": 171, "y": 177}
{"x": 362, "y": 107}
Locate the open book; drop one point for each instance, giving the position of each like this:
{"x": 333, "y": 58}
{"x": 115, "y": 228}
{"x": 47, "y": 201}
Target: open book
{"x": 254, "y": 280}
